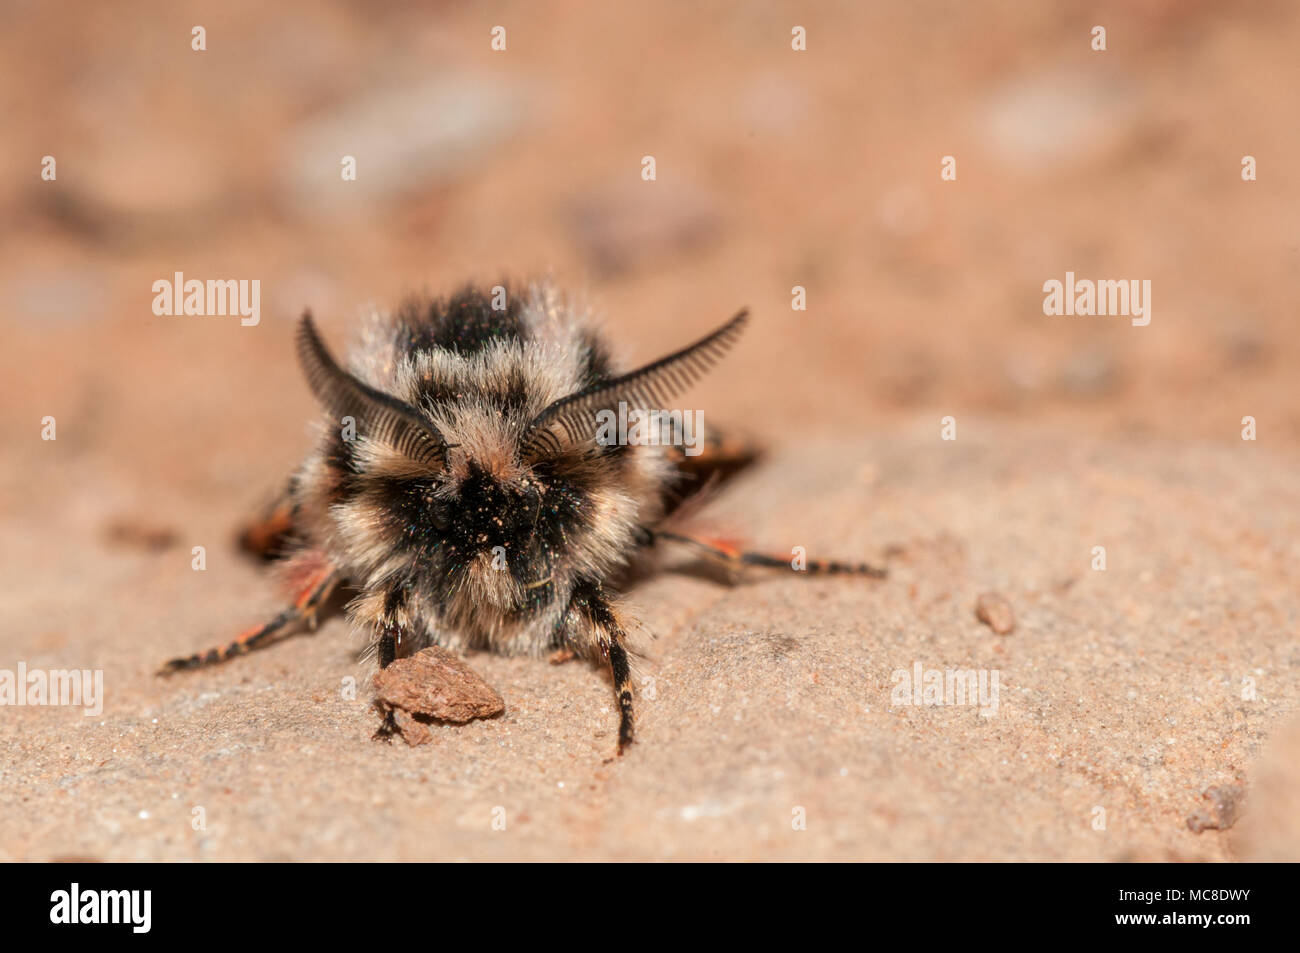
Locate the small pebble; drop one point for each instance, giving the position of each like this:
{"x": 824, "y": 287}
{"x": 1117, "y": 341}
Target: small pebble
{"x": 993, "y": 610}
{"x": 433, "y": 685}
{"x": 1221, "y": 811}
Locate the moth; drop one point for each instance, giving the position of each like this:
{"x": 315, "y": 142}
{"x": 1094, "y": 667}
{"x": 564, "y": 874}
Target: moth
{"x": 462, "y": 491}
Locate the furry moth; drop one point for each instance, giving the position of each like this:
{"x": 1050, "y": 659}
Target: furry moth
{"x": 460, "y": 491}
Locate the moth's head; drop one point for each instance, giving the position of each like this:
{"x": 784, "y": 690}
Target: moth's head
{"x": 502, "y": 496}
{"x": 493, "y": 519}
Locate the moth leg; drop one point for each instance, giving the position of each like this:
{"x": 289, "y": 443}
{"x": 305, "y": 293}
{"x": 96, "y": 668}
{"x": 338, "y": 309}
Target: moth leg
{"x": 391, "y": 642}
{"x": 267, "y": 537}
{"x": 314, "y": 592}
{"x": 592, "y": 623}
{"x": 735, "y": 559}
{"x": 382, "y": 610}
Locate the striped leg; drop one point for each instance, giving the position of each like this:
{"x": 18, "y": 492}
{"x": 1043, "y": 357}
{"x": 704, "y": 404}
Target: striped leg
{"x": 735, "y": 558}
{"x": 622, "y": 689}
{"x": 314, "y": 592}
{"x": 388, "y": 648}
{"x": 596, "y": 624}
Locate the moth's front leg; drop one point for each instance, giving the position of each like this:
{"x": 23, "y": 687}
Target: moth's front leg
{"x": 590, "y": 625}
{"x": 392, "y": 641}
{"x": 384, "y": 612}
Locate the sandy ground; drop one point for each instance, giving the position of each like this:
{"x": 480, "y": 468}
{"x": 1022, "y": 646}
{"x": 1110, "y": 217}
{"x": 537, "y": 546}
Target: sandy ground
{"x": 1136, "y": 703}
{"x": 1120, "y": 689}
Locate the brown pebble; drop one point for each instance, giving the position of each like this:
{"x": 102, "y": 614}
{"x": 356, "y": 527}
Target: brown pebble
{"x": 993, "y": 610}
{"x": 1220, "y": 813}
{"x": 433, "y": 685}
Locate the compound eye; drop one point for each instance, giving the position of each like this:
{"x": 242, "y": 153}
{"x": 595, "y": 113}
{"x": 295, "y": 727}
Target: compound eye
{"x": 439, "y": 511}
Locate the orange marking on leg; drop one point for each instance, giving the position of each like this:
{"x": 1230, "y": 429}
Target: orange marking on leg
{"x": 309, "y": 592}
{"x": 729, "y": 547}
{"x": 252, "y": 632}
{"x": 314, "y": 593}
{"x": 267, "y": 536}
{"x": 318, "y": 588}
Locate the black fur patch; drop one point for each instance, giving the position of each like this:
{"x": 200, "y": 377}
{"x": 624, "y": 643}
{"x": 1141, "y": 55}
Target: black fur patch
{"x": 415, "y": 514}
{"x": 341, "y": 458}
{"x": 465, "y": 323}
{"x": 532, "y": 523}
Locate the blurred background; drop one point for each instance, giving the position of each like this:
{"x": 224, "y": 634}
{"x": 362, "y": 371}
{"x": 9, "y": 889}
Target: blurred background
{"x": 775, "y": 168}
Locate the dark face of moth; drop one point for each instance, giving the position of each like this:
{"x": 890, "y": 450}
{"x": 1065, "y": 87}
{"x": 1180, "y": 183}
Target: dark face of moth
{"x": 475, "y": 519}
{"x": 483, "y": 524}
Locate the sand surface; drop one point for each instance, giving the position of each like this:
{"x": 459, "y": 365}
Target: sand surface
{"x": 1119, "y": 689}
